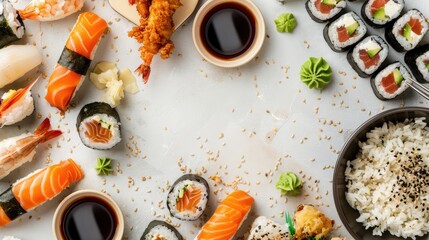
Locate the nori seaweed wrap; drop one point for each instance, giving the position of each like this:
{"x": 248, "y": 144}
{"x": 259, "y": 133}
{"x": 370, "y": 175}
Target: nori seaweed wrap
{"x": 418, "y": 62}
{"x": 11, "y": 26}
{"x": 10, "y": 205}
{"x": 160, "y": 228}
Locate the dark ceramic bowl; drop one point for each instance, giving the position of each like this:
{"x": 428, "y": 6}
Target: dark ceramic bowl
{"x": 347, "y": 214}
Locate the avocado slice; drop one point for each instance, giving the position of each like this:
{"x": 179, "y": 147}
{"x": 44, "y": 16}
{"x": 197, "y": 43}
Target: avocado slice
{"x": 407, "y": 32}
{"x": 427, "y": 66}
{"x": 351, "y": 29}
{"x": 330, "y": 2}
{"x": 397, "y": 75}
{"x": 380, "y": 14}
{"x": 373, "y": 52}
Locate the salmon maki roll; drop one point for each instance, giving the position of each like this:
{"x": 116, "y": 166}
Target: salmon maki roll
{"x": 378, "y": 13}
{"x": 227, "y": 218}
{"x": 389, "y": 83}
{"x": 159, "y": 230}
{"x": 98, "y": 125}
{"x": 37, "y": 188}
{"x": 418, "y": 62}
{"x": 75, "y": 60}
{"x": 324, "y": 10}
{"x": 188, "y": 197}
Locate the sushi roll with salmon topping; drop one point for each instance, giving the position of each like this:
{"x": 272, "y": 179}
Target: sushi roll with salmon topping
{"x": 377, "y": 13}
{"x": 368, "y": 55}
{"x": 264, "y": 228}
{"x": 390, "y": 81}
{"x": 228, "y": 217}
{"x": 324, "y": 10}
{"x": 418, "y": 62}
{"x": 71, "y": 69}
{"x": 344, "y": 32}
{"x": 16, "y": 105}
{"x": 188, "y": 197}
{"x": 11, "y": 26}
{"x": 37, "y": 188}
{"x": 407, "y": 31}
{"x": 159, "y": 230}
{"x": 99, "y": 126}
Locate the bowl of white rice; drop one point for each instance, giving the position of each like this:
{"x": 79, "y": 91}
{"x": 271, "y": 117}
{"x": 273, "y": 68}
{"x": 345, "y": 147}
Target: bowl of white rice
{"x": 381, "y": 179}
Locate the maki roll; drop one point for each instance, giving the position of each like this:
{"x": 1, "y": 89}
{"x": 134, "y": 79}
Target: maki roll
{"x": 160, "y": 230}
{"x": 368, "y": 55}
{"x": 188, "y": 197}
{"x": 344, "y": 32}
{"x": 418, "y": 62}
{"x": 98, "y": 125}
{"x": 324, "y": 10}
{"x": 390, "y": 81}
{"x": 11, "y": 26}
{"x": 265, "y": 229}
{"x": 377, "y": 13}
{"x": 407, "y": 32}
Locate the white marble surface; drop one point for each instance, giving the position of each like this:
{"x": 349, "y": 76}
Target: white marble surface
{"x": 269, "y": 120}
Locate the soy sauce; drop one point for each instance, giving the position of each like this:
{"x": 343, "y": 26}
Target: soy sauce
{"x": 90, "y": 218}
{"x": 228, "y": 30}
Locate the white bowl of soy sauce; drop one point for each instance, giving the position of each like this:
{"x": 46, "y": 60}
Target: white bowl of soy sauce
{"x": 228, "y": 33}
{"x": 88, "y": 215}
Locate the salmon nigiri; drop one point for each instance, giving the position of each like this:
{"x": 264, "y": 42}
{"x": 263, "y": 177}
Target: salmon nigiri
{"x": 227, "y": 218}
{"x": 75, "y": 60}
{"x": 16, "y": 105}
{"x": 37, "y": 188}
{"x": 16, "y": 151}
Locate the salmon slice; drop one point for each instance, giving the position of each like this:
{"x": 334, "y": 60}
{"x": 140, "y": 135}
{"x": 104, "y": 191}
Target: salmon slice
{"x": 369, "y": 62}
{"x": 86, "y": 34}
{"x": 97, "y": 133}
{"x": 61, "y": 87}
{"x": 389, "y": 84}
{"x": 45, "y": 184}
{"x": 228, "y": 217}
{"x": 190, "y": 200}
{"x": 323, "y": 8}
{"x": 377, "y": 4}
{"x": 416, "y": 25}
{"x": 4, "y": 219}
{"x": 343, "y": 35}
{"x": 15, "y": 98}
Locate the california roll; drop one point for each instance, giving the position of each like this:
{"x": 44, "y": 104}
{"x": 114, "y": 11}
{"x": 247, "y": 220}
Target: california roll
{"x": 377, "y": 13}
{"x": 368, "y": 55}
{"x": 99, "y": 126}
{"x": 324, "y": 10}
{"x": 158, "y": 230}
{"x": 188, "y": 197}
{"x": 344, "y": 32}
{"x": 418, "y": 62}
{"x": 11, "y": 26}
{"x": 407, "y": 32}
{"x": 390, "y": 81}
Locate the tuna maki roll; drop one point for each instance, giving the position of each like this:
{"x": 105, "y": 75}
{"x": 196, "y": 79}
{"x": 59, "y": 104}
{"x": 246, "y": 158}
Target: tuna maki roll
{"x": 368, "y": 55}
{"x": 407, "y": 32}
{"x": 377, "y": 13}
{"x": 324, "y": 10}
{"x": 11, "y": 26}
{"x": 98, "y": 125}
{"x": 188, "y": 197}
{"x": 265, "y": 229}
{"x": 418, "y": 62}
{"x": 160, "y": 230}
{"x": 344, "y": 32}
{"x": 390, "y": 81}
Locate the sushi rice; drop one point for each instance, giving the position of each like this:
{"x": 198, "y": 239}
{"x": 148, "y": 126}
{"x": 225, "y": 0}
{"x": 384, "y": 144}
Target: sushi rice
{"x": 160, "y": 232}
{"x": 114, "y": 129}
{"x": 393, "y": 9}
{"x": 316, "y": 13}
{"x": 19, "y": 111}
{"x": 400, "y": 24}
{"x": 333, "y": 34}
{"x": 386, "y": 72}
{"x": 371, "y": 40}
{"x": 175, "y": 193}
{"x": 264, "y": 228}
{"x": 422, "y": 65}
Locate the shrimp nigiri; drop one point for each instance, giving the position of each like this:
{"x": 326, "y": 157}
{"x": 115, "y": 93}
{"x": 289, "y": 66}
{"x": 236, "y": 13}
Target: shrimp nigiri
{"x": 16, "y": 151}
{"x": 50, "y": 10}
{"x": 16, "y": 105}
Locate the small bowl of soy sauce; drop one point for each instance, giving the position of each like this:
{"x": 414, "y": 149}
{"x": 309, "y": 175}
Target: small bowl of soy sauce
{"x": 228, "y": 33}
{"x": 88, "y": 215}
